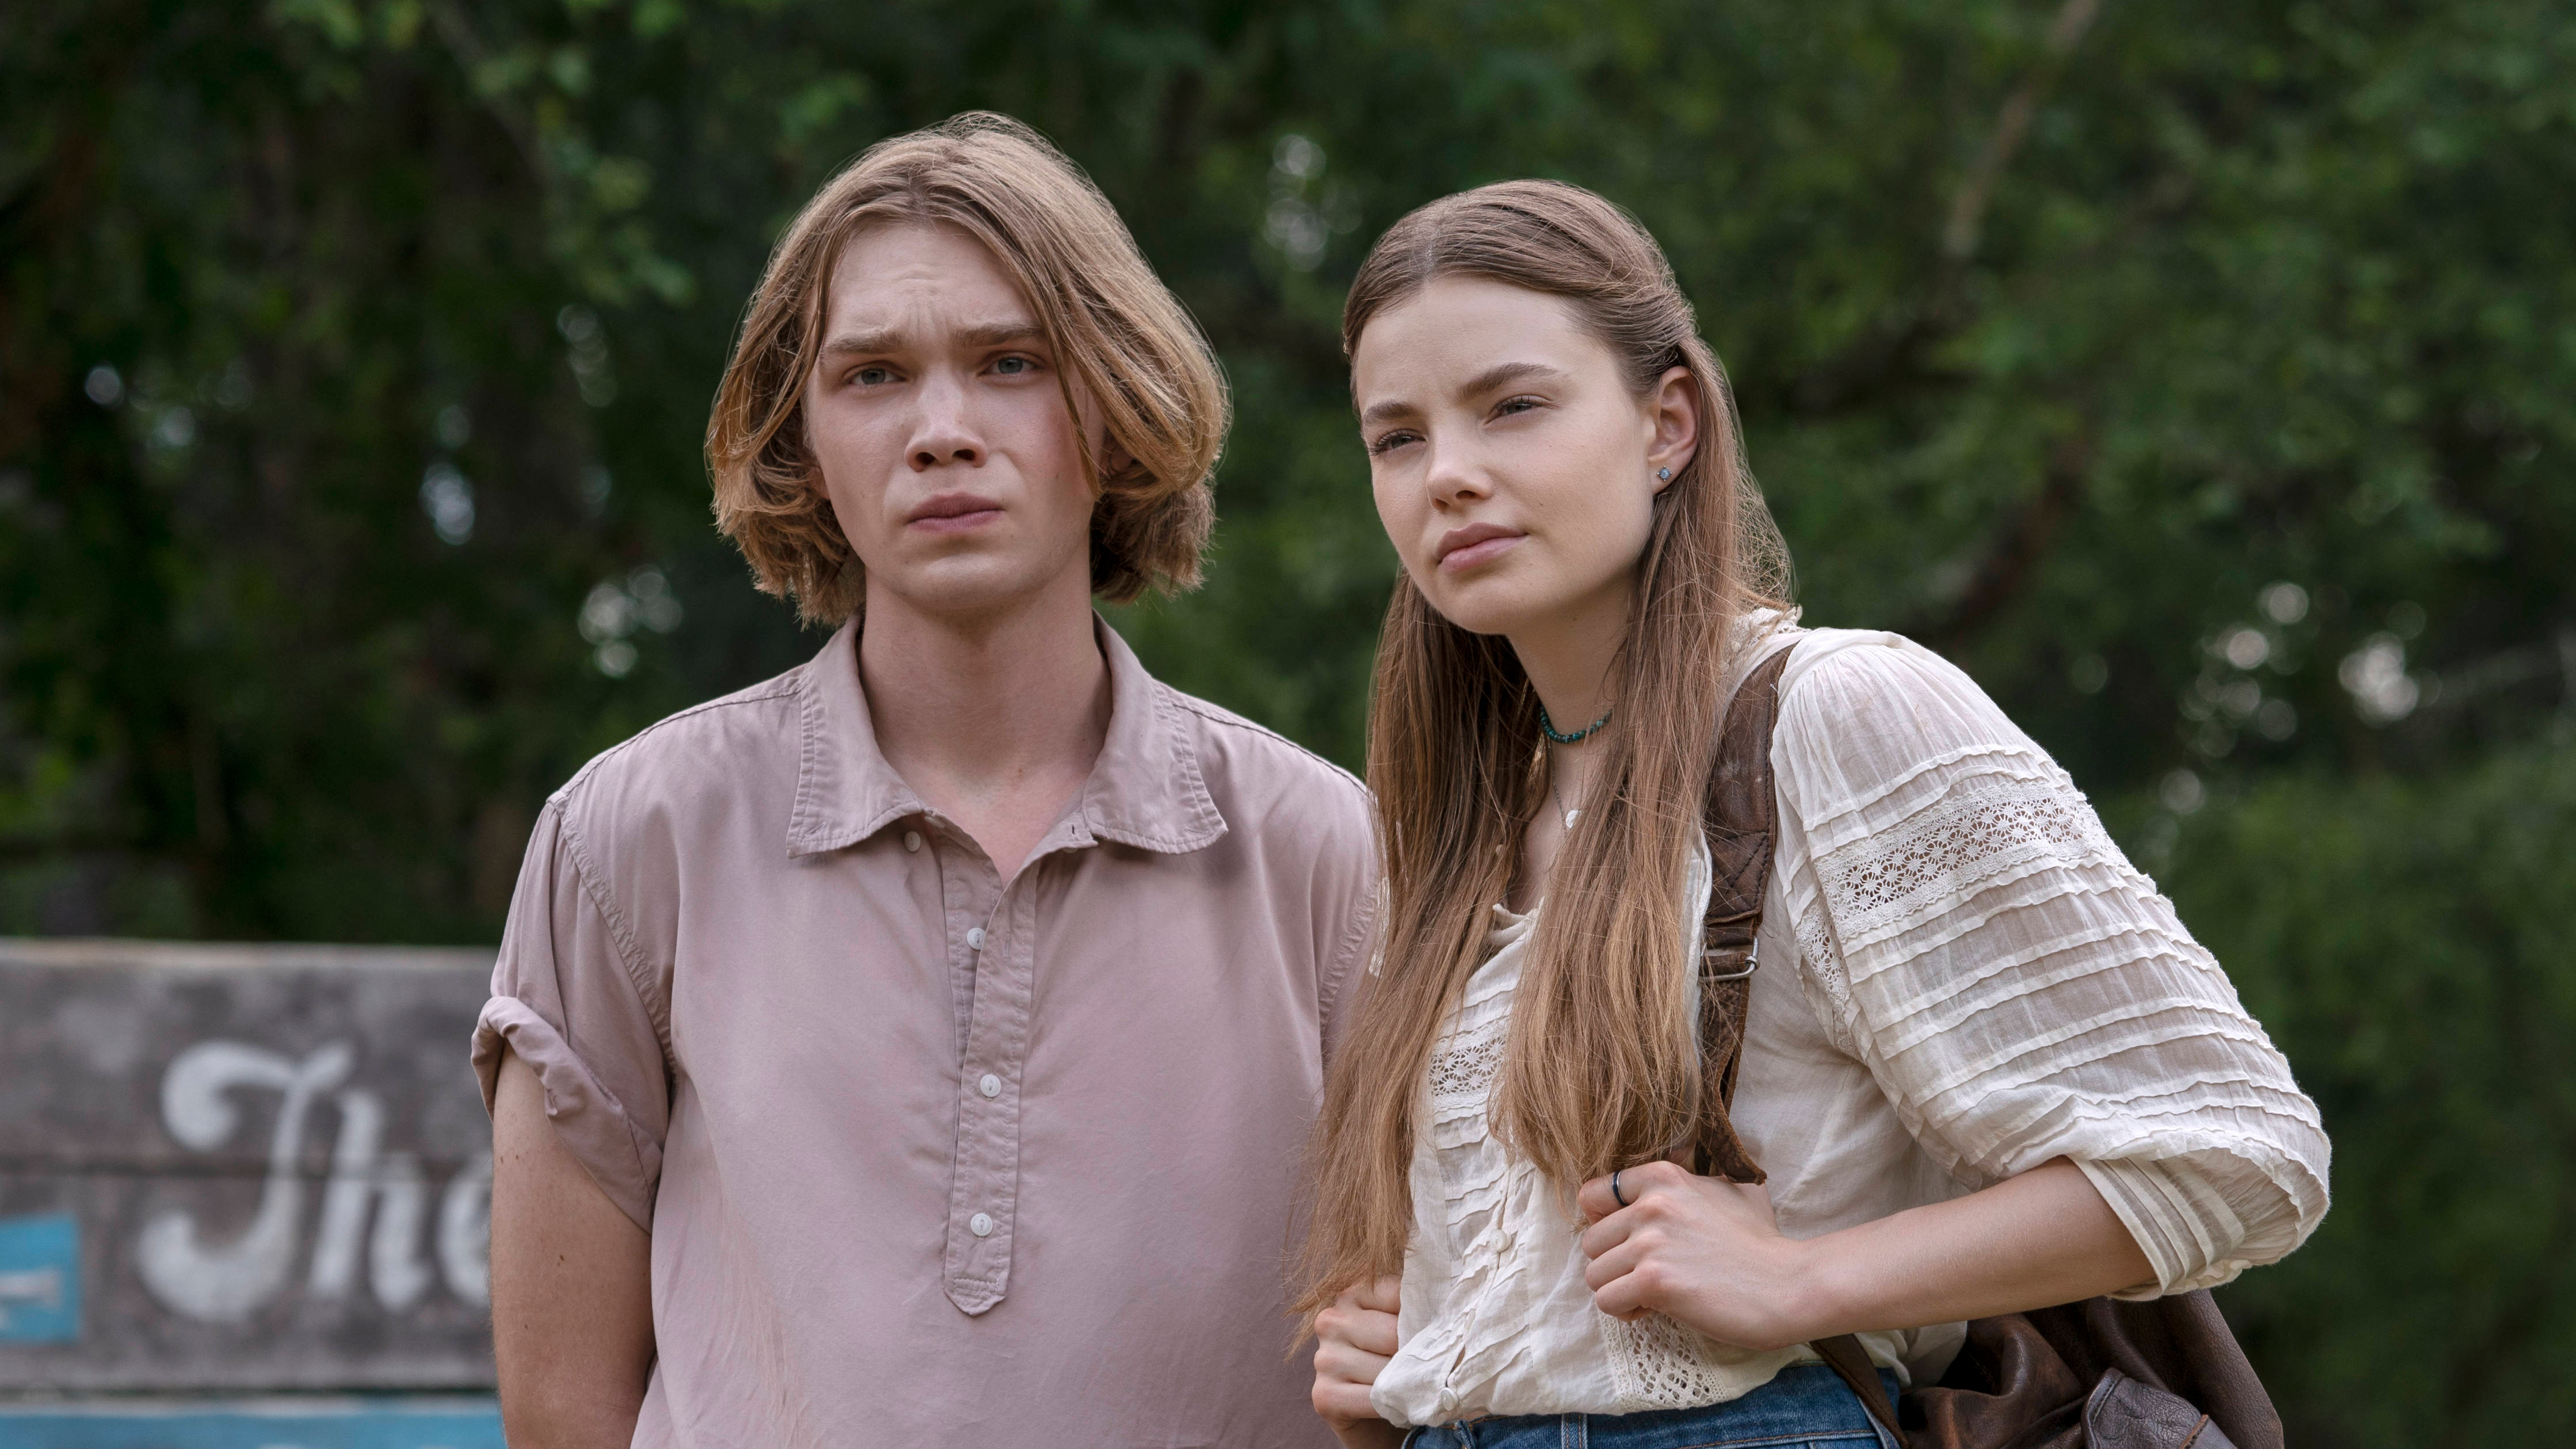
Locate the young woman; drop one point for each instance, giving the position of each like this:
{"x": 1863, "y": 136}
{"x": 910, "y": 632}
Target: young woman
{"x": 1985, "y": 1067}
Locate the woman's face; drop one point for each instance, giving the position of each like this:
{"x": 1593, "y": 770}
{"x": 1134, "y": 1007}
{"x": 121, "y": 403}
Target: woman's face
{"x": 1514, "y": 468}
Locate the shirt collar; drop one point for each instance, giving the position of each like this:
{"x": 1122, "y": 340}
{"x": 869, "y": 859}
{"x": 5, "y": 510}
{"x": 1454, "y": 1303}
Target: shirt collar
{"x": 1146, "y": 790}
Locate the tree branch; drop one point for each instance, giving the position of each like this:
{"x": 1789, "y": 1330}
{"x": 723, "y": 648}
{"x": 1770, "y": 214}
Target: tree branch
{"x": 1966, "y": 226}
{"x": 1887, "y": 349}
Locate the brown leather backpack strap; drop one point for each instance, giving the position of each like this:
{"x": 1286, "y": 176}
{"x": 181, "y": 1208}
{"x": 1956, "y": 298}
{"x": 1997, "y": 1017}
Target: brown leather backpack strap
{"x": 1741, "y": 819}
{"x": 1851, "y": 1363}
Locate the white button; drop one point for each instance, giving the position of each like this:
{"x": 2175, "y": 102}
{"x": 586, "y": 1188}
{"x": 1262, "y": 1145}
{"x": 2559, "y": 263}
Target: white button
{"x": 912, "y": 840}
{"x": 991, "y": 1086}
{"x": 975, "y": 938}
{"x": 981, "y": 1225}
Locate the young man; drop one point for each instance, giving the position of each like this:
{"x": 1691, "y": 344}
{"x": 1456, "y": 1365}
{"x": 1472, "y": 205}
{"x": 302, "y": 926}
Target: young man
{"x": 919, "y": 1048}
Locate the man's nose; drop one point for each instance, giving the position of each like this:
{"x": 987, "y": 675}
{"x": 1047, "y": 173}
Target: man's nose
{"x": 944, "y": 430}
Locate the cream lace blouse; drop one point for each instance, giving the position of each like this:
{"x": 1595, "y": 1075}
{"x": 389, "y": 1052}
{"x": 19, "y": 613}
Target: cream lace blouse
{"x": 1962, "y": 979}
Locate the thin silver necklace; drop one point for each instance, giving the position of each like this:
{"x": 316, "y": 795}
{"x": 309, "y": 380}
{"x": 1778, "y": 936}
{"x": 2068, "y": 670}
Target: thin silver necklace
{"x": 1558, "y": 795}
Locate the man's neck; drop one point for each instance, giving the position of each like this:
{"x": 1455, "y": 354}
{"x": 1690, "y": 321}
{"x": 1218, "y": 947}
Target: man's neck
{"x": 994, "y": 720}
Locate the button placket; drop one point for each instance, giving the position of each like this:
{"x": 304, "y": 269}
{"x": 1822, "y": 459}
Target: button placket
{"x": 983, "y": 1194}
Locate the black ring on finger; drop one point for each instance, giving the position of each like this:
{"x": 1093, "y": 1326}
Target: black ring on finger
{"x": 1615, "y": 1195}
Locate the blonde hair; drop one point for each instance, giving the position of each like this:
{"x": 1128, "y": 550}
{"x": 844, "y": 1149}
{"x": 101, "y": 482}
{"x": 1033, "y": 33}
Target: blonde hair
{"x": 1124, "y": 345}
{"x": 1601, "y": 1068}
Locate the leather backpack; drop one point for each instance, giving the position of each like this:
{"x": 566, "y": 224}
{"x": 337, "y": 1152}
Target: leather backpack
{"x": 2163, "y": 1374}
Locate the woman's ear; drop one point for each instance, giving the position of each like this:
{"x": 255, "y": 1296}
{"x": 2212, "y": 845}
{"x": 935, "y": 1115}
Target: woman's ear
{"x": 1672, "y": 410}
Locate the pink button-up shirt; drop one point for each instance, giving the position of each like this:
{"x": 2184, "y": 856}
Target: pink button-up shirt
{"x": 929, "y": 1155}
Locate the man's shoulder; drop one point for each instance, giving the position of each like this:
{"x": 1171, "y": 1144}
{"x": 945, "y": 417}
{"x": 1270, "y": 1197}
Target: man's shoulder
{"x": 1253, "y": 766}
{"x": 714, "y": 749}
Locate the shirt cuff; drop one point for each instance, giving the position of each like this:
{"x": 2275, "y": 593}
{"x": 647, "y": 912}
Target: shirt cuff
{"x": 588, "y": 1118}
{"x": 2182, "y": 1223}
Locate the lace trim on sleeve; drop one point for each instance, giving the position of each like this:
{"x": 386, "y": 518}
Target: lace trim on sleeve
{"x": 1986, "y": 827}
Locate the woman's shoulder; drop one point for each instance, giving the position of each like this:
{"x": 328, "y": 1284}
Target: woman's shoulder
{"x": 1864, "y": 710}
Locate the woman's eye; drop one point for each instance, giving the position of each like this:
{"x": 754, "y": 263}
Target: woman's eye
{"x": 1516, "y": 405}
{"x": 1387, "y": 442}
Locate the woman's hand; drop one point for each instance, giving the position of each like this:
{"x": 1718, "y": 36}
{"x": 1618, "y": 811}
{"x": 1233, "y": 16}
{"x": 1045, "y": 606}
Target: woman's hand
{"x": 1354, "y": 1337}
{"x": 1710, "y": 1254}
{"x": 1700, "y": 1250}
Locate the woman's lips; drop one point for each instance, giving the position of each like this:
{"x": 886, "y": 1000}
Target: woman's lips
{"x": 1483, "y": 550}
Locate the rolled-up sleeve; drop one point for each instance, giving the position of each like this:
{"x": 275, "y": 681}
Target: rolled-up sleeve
{"x": 570, "y": 1000}
{"x": 2017, "y": 988}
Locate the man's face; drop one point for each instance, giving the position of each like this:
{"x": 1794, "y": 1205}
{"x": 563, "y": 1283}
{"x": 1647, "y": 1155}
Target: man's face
{"x": 938, "y": 420}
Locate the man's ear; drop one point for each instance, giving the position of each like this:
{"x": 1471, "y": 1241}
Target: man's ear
{"x": 1114, "y": 460}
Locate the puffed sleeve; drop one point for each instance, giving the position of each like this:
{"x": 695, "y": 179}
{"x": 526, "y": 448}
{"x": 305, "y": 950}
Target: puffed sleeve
{"x": 2019, "y": 990}
{"x": 569, "y": 999}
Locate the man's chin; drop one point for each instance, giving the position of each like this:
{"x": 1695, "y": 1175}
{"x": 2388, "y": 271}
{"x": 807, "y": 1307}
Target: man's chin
{"x": 969, "y": 589}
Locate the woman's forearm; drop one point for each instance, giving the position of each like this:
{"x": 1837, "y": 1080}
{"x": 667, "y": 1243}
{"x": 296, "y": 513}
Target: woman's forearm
{"x": 2041, "y": 1238}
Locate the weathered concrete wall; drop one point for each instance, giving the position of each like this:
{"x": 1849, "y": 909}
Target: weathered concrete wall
{"x": 241, "y": 1167}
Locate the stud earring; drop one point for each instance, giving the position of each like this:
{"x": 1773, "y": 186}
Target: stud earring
{"x": 1663, "y": 475}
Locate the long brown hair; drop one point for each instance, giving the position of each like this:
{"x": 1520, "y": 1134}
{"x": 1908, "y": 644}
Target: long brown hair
{"x": 1600, "y": 1069}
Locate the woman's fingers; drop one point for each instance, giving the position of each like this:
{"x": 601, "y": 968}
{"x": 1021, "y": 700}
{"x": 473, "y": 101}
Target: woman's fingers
{"x": 1379, "y": 1296}
{"x": 1354, "y": 1338}
{"x": 1361, "y": 1328}
{"x": 1341, "y": 1399}
{"x": 1596, "y": 1201}
{"x": 1614, "y": 1264}
{"x": 1348, "y": 1363}
{"x": 1623, "y": 1297}
{"x": 1593, "y": 1199}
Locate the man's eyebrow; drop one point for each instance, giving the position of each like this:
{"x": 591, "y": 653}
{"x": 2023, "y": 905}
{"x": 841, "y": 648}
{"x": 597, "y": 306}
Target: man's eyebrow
{"x": 999, "y": 334}
{"x": 882, "y": 340}
{"x": 890, "y": 339}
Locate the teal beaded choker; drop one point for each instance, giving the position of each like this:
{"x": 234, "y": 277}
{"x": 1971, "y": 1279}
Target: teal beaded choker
{"x": 1548, "y": 727}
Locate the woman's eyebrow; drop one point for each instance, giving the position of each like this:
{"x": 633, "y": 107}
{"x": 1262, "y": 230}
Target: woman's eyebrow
{"x": 1499, "y": 375}
{"x": 1503, "y": 373}
{"x": 1386, "y": 412}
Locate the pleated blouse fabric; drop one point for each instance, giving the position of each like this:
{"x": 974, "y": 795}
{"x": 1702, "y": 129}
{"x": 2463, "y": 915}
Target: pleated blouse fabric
{"x": 1963, "y": 978}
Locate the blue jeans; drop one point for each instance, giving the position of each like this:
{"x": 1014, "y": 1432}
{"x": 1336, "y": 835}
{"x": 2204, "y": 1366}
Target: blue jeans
{"x": 1806, "y": 1407}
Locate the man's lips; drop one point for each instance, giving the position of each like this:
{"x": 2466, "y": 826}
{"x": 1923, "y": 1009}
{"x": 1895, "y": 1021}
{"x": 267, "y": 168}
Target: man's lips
{"x": 1464, "y": 548}
{"x": 953, "y": 513}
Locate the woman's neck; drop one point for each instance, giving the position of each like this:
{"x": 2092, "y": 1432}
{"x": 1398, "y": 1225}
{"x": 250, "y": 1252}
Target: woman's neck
{"x": 1567, "y": 658}
{"x": 1567, "y": 655}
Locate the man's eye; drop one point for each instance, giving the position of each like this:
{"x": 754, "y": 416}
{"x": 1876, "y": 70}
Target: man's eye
{"x": 1517, "y": 405}
{"x": 872, "y": 376}
{"x": 1387, "y": 442}
{"x": 1012, "y": 366}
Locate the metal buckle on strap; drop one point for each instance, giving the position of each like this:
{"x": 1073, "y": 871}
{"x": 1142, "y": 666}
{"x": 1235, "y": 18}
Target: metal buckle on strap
{"x": 1752, "y": 963}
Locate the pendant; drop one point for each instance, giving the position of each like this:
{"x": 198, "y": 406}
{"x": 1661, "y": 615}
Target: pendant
{"x": 1569, "y": 818}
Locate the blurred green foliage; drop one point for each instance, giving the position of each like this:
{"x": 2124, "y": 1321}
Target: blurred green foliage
{"x": 2406, "y": 942}
{"x": 2195, "y": 374}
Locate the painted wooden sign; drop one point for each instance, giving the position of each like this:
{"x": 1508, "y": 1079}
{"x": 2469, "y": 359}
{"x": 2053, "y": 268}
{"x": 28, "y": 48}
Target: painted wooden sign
{"x": 241, "y": 1168}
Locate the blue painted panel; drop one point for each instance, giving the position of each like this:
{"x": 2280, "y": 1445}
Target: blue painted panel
{"x": 261, "y": 1424}
{"x": 40, "y": 1279}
